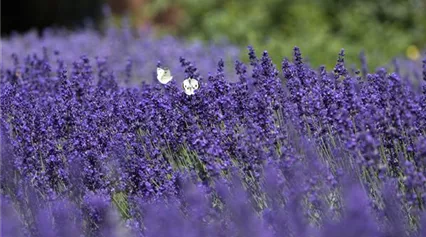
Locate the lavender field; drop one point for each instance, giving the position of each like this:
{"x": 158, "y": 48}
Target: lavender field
{"x": 119, "y": 134}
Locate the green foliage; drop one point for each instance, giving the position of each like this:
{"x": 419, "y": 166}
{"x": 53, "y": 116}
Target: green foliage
{"x": 120, "y": 201}
{"x": 320, "y": 27}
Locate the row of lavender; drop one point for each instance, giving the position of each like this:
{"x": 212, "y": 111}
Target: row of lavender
{"x": 124, "y": 48}
{"x": 300, "y": 152}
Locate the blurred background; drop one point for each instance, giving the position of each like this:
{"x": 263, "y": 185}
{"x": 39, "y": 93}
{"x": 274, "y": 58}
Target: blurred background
{"x": 383, "y": 29}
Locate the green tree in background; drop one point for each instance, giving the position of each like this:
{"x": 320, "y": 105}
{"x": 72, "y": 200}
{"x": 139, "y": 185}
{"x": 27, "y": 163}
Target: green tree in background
{"x": 383, "y": 29}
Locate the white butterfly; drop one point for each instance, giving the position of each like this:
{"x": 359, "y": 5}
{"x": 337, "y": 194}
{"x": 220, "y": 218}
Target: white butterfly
{"x": 164, "y": 75}
{"x": 189, "y": 86}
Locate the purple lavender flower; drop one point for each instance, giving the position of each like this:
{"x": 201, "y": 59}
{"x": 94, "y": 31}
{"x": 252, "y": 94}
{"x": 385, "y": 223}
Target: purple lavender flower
{"x": 89, "y": 141}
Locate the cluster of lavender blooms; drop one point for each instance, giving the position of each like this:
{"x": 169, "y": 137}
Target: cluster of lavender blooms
{"x": 120, "y": 49}
{"x": 295, "y": 152}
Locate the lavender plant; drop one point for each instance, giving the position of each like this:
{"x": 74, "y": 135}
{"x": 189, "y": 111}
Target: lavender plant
{"x": 262, "y": 152}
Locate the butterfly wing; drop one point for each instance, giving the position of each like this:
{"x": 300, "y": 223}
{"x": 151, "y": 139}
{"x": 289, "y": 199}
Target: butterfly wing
{"x": 190, "y": 85}
{"x": 164, "y": 75}
{"x": 160, "y": 73}
{"x": 187, "y": 87}
{"x": 194, "y": 84}
{"x": 167, "y": 75}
